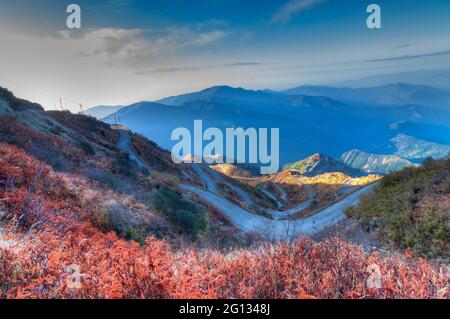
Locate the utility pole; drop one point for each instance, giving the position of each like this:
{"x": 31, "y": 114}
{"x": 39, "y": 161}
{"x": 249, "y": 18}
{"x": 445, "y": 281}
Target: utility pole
{"x": 60, "y": 104}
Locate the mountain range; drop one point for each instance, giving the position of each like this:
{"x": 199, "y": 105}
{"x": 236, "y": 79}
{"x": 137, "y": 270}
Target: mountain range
{"x": 398, "y": 94}
{"x": 409, "y": 121}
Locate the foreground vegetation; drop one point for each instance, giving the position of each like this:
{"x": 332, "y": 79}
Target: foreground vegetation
{"x": 411, "y": 208}
{"x": 48, "y": 242}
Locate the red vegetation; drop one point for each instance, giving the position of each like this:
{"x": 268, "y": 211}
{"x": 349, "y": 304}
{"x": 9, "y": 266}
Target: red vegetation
{"x": 46, "y": 236}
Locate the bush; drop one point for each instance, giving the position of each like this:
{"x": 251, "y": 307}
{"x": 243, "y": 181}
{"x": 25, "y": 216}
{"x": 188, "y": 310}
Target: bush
{"x": 87, "y": 148}
{"x": 111, "y": 221}
{"x": 165, "y": 178}
{"x": 409, "y": 208}
{"x": 182, "y": 213}
{"x": 123, "y": 165}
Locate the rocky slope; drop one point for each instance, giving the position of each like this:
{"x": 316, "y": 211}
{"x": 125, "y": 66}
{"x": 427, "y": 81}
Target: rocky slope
{"x": 413, "y": 148}
{"x": 319, "y": 164}
{"x": 374, "y": 163}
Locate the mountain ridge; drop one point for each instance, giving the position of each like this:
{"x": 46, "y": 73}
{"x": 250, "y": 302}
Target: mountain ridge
{"x": 317, "y": 164}
{"x": 393, "y": 94}
{"x": 308, "y": 124}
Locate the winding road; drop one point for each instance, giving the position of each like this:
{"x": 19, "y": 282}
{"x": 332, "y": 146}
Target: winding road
{"x": 279, "y": 229}
{"x": 239, "y": 191}
{"x": 208, "y": 182}
{"x": 279, "y": 214}
{"x": 124, "y": 145}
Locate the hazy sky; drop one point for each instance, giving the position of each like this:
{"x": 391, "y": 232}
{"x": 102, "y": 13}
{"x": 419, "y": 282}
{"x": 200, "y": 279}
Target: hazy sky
{"x": 130, "y": 50}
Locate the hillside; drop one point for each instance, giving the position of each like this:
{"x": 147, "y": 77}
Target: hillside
{"x": 410, "y": 209}
{"x": 76, "y": 192}
{"x": 374, "y": 163}
{"x": 318, "y": 164}
{"x": 237, "y": 170}
{"x": 413, "y": 148}
{"x": 47, "y": 226}
{"x": 135, "y": 172}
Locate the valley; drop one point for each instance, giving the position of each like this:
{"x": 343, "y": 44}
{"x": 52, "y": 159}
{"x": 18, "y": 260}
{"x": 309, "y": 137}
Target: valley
{"x": 287, "y": 230}
{"x": 75, "y": 189}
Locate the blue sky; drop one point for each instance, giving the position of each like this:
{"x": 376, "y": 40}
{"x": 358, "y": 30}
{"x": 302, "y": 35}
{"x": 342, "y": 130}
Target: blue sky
{"x": 129, "y": 50}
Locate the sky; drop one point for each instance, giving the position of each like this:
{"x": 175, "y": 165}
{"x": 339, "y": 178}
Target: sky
{"x": 130, "y": 50}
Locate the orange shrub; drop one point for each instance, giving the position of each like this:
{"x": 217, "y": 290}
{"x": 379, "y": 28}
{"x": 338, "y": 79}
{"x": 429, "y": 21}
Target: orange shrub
{"x": 59, "y": 246}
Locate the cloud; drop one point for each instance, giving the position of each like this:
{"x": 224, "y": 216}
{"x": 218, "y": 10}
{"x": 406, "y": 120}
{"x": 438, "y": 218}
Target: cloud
{"x": 137, "y": 46}
{"x": 238, "y": 64}
{"x": 285, "y": 13}
{"x": 172, "y": 70}
{"x": 385, "y": 59}
{"x": 402, "y": 46}
{"x": 196, "y": 68}
{"x": 410, "y": 57}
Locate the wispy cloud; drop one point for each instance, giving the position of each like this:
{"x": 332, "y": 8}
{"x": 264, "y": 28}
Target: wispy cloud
{"x": 410, "y": 57}
{"x": 136, "y": 46}
{"x": 172, "y": 70}
{"x": 402, "y": 46}
{"x": 238, "y": 64}
{"x": 196, "y": 68}
{"x": 285, "y": 13}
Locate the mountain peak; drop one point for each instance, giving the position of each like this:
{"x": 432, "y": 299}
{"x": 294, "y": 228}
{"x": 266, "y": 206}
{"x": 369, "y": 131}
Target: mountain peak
{"x": 318, "y": 163}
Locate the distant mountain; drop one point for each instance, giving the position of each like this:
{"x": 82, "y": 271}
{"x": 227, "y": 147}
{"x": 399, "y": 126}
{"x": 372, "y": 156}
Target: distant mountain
{"x": 229, "y": 98}
{"x": 221, "y": 94}
{"x": 386, "y": 95}
{"x": 102, "y": 111}
{"x": 433, "y": 77}
{"x": 318, "y": 164}
{"x": 308, "y": 124}
{"x": 413, "y": 148}
{"x": 223, "y": 107}
{"x": 374, "y": 163}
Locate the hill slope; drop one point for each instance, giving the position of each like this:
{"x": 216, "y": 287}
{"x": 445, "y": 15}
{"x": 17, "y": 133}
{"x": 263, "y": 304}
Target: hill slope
{"x": 411, "y": 209}
{"x": 319, "y": 164}
{"x": 133, "y": 171}
{"x": 374, "y": 163}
